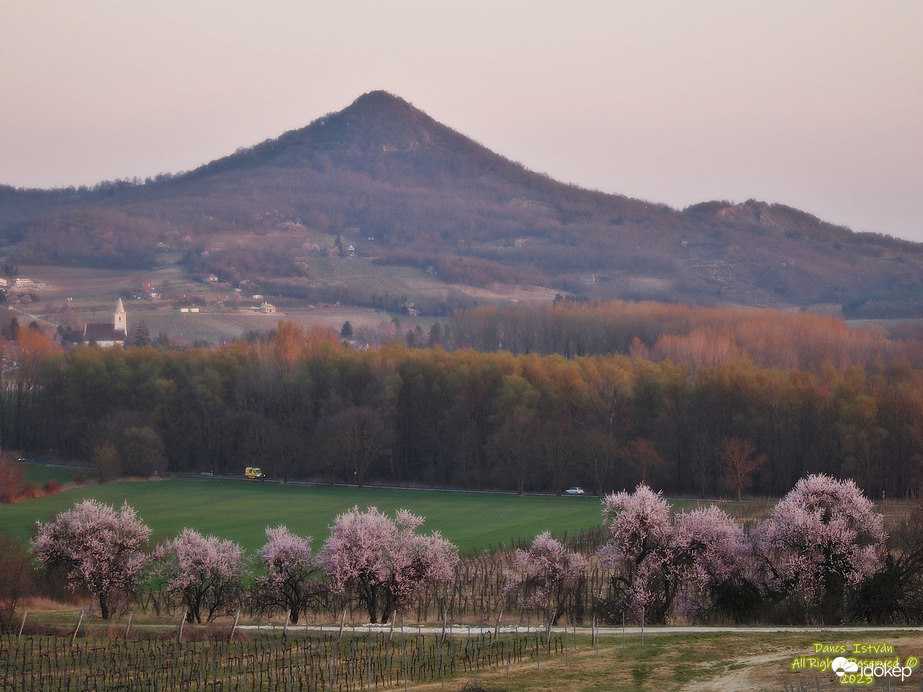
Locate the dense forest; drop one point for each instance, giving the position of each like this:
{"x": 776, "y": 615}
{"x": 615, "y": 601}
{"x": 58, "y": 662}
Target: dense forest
{"x": 690, "y": 400}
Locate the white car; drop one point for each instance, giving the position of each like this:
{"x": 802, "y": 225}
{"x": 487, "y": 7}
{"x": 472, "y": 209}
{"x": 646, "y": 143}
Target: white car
{"x": 574, "y": 491}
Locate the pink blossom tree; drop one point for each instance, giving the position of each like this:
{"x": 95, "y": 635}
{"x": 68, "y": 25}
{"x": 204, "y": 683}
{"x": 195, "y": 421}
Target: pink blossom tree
{"x": 103, "y": 550}
{"x": 701, "y": 556}
{"x": 546, "y": 577}
{"x": 716, "y": 563}
{"x": 821, "y": 538}
{"x": 639, "y": 552}
{"x": 291, "y": 574}
{"x": 204, "y": 573}
{"x": 385, "y": 562}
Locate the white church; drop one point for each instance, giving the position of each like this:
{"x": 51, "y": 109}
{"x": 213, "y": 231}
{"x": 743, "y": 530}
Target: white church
{"x": 108, "y": 334}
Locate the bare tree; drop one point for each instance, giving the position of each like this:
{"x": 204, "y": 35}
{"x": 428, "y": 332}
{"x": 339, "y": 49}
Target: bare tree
{"x": 358, "y": 438}
{"x": 740, "y": 461}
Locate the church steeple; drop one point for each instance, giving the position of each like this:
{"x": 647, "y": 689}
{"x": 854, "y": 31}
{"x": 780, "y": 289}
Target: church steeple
{"x": 119, "y": 319}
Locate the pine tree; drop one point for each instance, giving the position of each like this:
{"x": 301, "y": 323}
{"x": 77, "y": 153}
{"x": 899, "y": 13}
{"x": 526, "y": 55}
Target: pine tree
{"x": 435, "y": 334}
{"x": 142, "y": 334}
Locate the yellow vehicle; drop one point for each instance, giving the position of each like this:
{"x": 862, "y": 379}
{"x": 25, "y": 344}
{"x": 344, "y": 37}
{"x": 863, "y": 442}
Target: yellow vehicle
{"x": 254, "y": 472}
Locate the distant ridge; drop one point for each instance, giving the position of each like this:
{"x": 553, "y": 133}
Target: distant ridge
{"x": 405, "y": 190}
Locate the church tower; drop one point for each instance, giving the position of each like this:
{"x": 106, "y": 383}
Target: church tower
{"x": 119, "y": 319}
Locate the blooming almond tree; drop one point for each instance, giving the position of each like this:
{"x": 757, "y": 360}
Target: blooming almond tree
{"x": 546, "y": 576}
{"x": 204, "y": 573}
{"x": 639, "y": 552}
{"x": 418, "y": 561}
{"x": 716, "y": 563}
{"x": 290, "y": 581}
{"x": 701, "y": 556}
{"x": 384, "y": 561}
{"x": 820, "y": 538}
{"x": 102, "y": 549}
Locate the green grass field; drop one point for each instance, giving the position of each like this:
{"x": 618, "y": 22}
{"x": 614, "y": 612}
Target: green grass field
{"x": 39, "y": 474}
{"x": 241, "y": 510}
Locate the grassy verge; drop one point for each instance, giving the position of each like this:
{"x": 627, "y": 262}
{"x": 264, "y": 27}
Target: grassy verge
{"x": 695, "y": 662}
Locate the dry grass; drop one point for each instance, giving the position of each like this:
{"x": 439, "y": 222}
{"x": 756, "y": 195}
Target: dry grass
{"x": 738, "y": 662}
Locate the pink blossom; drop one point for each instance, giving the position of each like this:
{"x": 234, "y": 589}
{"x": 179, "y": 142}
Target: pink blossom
{"x": 638, "y": 551}
{"x": 289, "y": 582}
{"x": 822, "y": 536}
{"x": 203, "y": 572}
{"x": 653, "y": 558}
{"x": 546, "y": 576}
{"x": 713, "y": 550}
{"x": 385, "y": 562}
{"x": 103, "y": 550}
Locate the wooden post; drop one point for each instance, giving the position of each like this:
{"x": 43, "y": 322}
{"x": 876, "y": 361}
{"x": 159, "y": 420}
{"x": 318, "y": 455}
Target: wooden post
{"x": 623, "y": 630}
{"x": 405, "y": 662}
{"x": 77, "y": 628}
{"x": 236, "y": 619}
{"x": 445, "y": 621}
{"x": 128, "y": 626}
{"x": 179, "y": 630}
{"x": 475, "y": 661}
{"x": 23, "y": 624}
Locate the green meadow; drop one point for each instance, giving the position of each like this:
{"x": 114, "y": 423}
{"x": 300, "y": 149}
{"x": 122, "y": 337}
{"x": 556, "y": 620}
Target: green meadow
{"x": 39, "y": 474}
{"x": 241, "y": 510}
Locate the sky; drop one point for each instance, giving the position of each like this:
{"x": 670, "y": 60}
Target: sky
{"x": 817, "y": 104}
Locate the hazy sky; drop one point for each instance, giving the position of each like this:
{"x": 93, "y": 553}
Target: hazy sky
{"x": 814, "y": 104}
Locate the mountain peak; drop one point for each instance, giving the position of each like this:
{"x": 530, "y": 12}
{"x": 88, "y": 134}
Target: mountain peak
{"x": 379, "y": 99}
{"x": 434, "y": 199}
{"x": 382, "y": 122}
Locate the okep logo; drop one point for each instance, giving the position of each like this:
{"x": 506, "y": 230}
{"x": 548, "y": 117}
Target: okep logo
{"x": 878, "y": 668}
{"x": 842, "y": 665}
{"x": 866, "y": 662}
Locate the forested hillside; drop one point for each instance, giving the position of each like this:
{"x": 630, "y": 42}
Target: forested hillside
{"x": 698, "y": 401}
{"x": 380, "y": 181}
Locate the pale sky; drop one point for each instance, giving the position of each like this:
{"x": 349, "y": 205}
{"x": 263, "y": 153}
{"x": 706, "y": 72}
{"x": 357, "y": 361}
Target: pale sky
{"x": 817, "y": 104}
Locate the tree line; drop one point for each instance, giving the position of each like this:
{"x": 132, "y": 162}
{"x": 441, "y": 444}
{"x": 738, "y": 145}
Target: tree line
{"x": 303, "y": 405}
{"x": 821, "y": 556}
{"x": 383, "y": 563}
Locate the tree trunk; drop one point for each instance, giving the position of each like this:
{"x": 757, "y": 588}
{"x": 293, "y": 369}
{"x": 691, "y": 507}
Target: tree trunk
{"x": 103, "y": 606}
{"x": 371, "y": 603}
